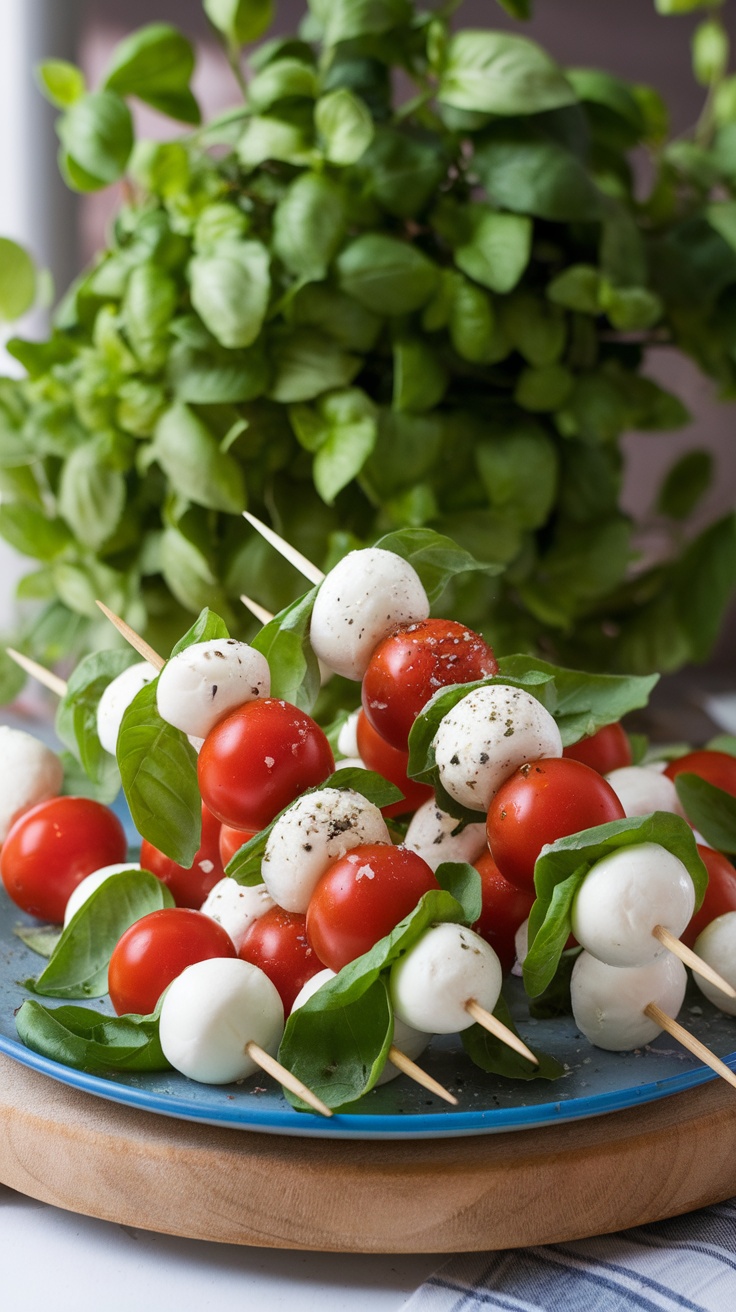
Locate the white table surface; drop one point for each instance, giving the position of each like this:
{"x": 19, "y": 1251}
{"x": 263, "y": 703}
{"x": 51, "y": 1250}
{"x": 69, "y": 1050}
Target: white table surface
{"x": 56, "y": 1259}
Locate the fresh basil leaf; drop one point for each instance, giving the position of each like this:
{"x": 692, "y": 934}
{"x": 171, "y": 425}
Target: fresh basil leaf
{"x": 282, "y": 79}
{"x": 31, "y": 532}
{"x": 386, "y": 275}
{"x": 284, "y": 641}
{"x": 348, "y": 1047}
{"x": 306, "y": 364}
{"x": 436, "y": 558}
{"x": 577, "y": 288}
{"x": 217, "y": 376}
{"x": 528, "y": 172}
{"x": 76, "y": 715}
{"x": 471, "y": 321}
{"x": 190, "y": 456}
{"x": 463, "y": 882}
{"x": 402, "y": 170}
{"x": 158, "y": 768}
{"x": 207, "y": 626}
{"x": 78, "y": 965}
{"x": 269, "y": 138}
{"x": 495, "y": 1057}
{"x": 711, "y": 810}
{"x": 88, "y": 1041}
{"x": 61, "y": 82}
{"x": 309, "y": 224}
{"x": 345, "y": 126}
{"x": 496, "y": 249}
{"x": 147, "y": 311}
{"x": 685, "y": 483}
{"x": 555, "y": 999}
{"x": 723, "y": 742}
{"x": 17, "y": 280}
{"x": 230, "y": 288}
{"x": 240, "y": 21}
{"x": 497, "y": 73}
{"x": 420, "y": 378}
{"x": 160, "y": 167}
{"x": 584, "y": 702}
{"x": 344, "y": 20}
{"x": 39, "y": 938}
{"x": 519, "y": 469}
{"x": 97, "y": 134}
{"x": 91, "y": 495}
{"x": 156, "y": 64}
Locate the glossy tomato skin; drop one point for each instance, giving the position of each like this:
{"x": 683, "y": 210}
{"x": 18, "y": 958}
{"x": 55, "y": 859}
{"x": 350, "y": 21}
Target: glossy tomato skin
{"x": 505, "y": 907}
{"x": 541, "y": 802}
{"x": 717, "y": 768}
{"x": 379, "y": 755}
{"x": 361, "y": 897}
{"x": 412, "y": 664}
{"x": 260, "y": 758}
{"x": 720, "y": 895}
{"x": 608, "y": 749}
{"x": 189, "y": 886}
{"x": 231, "y": 841}
{"x": 52, "y": 847}
{"x": 156, "y": 949}
{"x": 277, "y": 943}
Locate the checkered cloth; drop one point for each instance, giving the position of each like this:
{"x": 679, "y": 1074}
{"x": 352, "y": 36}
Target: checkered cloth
{"x": 687, "y": 1264}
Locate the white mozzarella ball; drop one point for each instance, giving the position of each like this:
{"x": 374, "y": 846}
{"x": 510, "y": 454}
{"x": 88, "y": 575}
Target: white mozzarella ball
{"x": 312, "y": 986}
{"x": 235, "y": 906}
{"x": 624, "y": 896}
{"x": 430, "y": 835}
{"x": 716, "y": 944}
{"x": 350, "y": 763}
{"x": 641, "y": 790}
{"x": 317, "y": 830}
{"x": 608, "y": 1001}
{"x": 486, "y": 736}
{"x": 448, "y": 967}
{"x": 361, "y": 600}
{"x": 347, "y": 739}
{"x": 116, "y": 699}
{"x": 29, "y": 772}
{"x": 211, "y": 1012}
{"x": 201, "y": 685}
{"x": 91, "y": 883}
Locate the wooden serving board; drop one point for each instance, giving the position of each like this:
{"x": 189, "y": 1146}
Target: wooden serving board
{"x": 408, "y": 1196}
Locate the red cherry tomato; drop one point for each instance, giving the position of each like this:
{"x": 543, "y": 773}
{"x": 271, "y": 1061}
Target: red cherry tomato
{"x": 608, "y": 749}
{"x": 411, "y": 664}
{"x": 720, "y": 895}
{"x": 505, "y": 907}
{"x": 379, "y": 755}
{"x": 52, "y": 847}
{"x": 231, "y": 841}
{"x": 362, "y": 897}
{"x": 156, "y": 949}
{"x": 717, "y": 768}
{"x": 260, "y": 758}
{"x": 189, "y": 886}
{"x": 541, "y": 802}
{"x": 277, "y": 942}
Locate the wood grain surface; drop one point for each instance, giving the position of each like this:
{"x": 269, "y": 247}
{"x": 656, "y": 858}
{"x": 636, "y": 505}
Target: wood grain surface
{"x": 446, "y": 1195}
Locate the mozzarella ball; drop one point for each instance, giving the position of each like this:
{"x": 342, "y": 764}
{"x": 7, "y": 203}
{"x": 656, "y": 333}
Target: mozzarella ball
{"x": 201, "y": 685}
{"x": 486, "y": 736}
{"x": 318, "y": 829}
{"x": 717, "y": 946}
{"x": 29, "y": 773}
{"x": 608, "y": 1001}
{"x": 350, "y": 763}
{"x": 641, "y": 790}
{"x": 361, "y": 600}
{"x": 211, "y": 1012}
{"x": 624, "y": 896}
{"x": 235, "y": 906}
{"x": 116, "y": 699}
{"x": 91, "y": 883}
{"x": 347, "y": 739}
{"x": 430, "y": 835}
{"x": 411, "y": 1042}
{"x": 449, "y": 966}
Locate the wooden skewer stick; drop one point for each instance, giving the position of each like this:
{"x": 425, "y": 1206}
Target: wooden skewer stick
{"x": 499, "y": 1030}
{"x": 259, "y": 612}
{"x": 689, "y": 1041}
{"x": 289, "y": 553}
{"x": 38, "y": 672}
{"x": 408, "y": 1067}
{"x": 691, "y": 959}
{"x": 273, "y": 1067}
{"x": 138, "y": 643}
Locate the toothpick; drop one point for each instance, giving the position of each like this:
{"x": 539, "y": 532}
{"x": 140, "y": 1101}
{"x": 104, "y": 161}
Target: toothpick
{"x": 499, "y": 1030}
{"x": 259, "y": 612}
{"x": 289, "y": 1081}
{"x": 289, "y": 553}
{"x": 408, "y": 1067}
{"x": 138, "y": 643}
{"x": 689, "y": 1041}
{"x": 38, "y": 672}
{"x": 691, "y": 959}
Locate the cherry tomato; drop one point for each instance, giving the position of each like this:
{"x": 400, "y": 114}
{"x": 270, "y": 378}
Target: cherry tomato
{"x": 260, "y": 758}
{"x": 361, "y": 897}
{"x": 52, "y": 847}
{"x": 608, "y": 749}
{"x": 189, "y": 886}
{"x": 231, "y": 841}
{"x": 386, "y": 760}
{"x": 277, "y": 942}
{"x": 505, "y": 907}
{"x": 717, "y": 768}
{"x": 411, "y": 664}
{"x": 541, "y": 802}
{"x": 156, "y": 949}
{"x": 720, "y": 895}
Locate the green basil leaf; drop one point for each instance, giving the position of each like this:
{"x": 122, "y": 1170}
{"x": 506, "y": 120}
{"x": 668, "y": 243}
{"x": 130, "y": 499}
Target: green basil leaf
{"x": 420, "y": 378}
{"x": 284, "y": 641}
{"x": 347, "y": 445}
{"x": 723, "y": 742}
{"x": 76, "y": 715}
{"x": 710, "y": 809}
{"x": 156, "y": 64}
{"x": 343, "y": 20}
{"x": 306, "y": 364}
{"x": 160, "y": 167}
{"x": 497, "y": 249}
{"x": 217, "y": 376}
{"x": 685, "y": 483}
{"x": 584, "y": 702}
{"x": 78, "y": 965}
{"x": 471, "y": 321}
{"x": 436, "y": 558}
{"x": 97, "y": 134}
{"x": 281, "y": 79}
{"x": 519, "y": 469}
{"x": 88, "y": 1041}
{"x": 230, "y": 290}
{"x": 309, "y": 223}
{"x": 348, "y": 1048}
{"x": 345, "y": 126}
{"x": 495, "y": 1057}
{"x": 338, "y": 315}
{"x": 39, "y": 938}
{"x": 147, "y": 311}
{"x": 190, "y": 457}
{"x": 61, "y": 82}
{"x": 463, "y": 882}
{"x": 187, "y": 569}
{"x": 240, "y": 21}
{"x": 17, "y": 280}
{"x": 543, "y": 387}
{"x": 555, "y": 1000}
{"x": 91, "y": 495}
{"x": 577, "y": 288}
{"x": 402, "y": 170}
{"x": 527, "y": 171}
{"x": 207, "y": 626}
{"x": 497, "y": 73}
{"x": 386, "y": 275}
{"x": 32, "y": 533}
{"x": 267, "y": 138}
{"x": 158, "y": 768}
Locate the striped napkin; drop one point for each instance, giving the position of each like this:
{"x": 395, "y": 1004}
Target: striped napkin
{"x": 686, "y": 1264}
